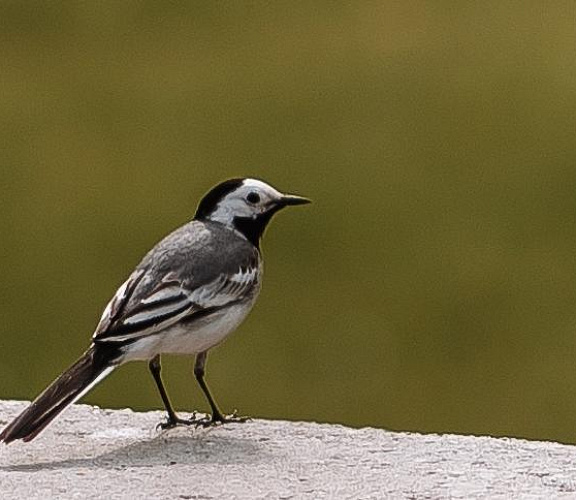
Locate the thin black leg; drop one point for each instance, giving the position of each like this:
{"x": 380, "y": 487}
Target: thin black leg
{"x": 217, "y": 416}
{"x": 173, "y": 419}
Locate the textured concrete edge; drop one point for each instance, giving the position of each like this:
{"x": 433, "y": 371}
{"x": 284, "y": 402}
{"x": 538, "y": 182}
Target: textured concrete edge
{"x": 88, "y": 447}
{"x": 9, "y": 408}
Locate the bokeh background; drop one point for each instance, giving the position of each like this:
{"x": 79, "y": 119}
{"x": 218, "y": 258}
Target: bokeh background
{"x": 432, "y": 285}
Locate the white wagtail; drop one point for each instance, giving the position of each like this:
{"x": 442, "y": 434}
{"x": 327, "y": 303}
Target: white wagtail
{"x": 187, "y": 295}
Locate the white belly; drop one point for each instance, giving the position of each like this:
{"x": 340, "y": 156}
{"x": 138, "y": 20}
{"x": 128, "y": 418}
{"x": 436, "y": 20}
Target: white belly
{"x": 196, "y": 337}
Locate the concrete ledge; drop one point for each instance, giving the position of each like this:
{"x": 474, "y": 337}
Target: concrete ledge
{"x": 94, "y": 453}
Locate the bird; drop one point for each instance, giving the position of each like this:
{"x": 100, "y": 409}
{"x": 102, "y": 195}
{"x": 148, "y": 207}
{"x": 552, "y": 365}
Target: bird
{"x": 188, "y": 293}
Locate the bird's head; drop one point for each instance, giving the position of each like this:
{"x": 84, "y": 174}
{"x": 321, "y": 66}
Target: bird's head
{"x": 246, "y": 205}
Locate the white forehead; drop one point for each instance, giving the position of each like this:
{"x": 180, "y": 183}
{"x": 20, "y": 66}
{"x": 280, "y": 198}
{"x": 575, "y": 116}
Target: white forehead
{"x": 236, "y": 204}
{"x": 260, "y": 186}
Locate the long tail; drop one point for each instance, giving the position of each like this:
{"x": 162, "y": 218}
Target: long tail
{"x": 90, "y": 369}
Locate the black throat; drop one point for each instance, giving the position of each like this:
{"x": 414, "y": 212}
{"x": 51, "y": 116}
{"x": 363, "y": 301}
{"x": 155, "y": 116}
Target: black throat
{"x": 253, "y": 227}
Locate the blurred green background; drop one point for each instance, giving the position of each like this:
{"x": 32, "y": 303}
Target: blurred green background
{"x": 432, "y": 285}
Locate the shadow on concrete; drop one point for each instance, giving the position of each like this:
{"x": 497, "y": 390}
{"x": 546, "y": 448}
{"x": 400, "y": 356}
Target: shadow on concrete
{"x": 163, "y": 451}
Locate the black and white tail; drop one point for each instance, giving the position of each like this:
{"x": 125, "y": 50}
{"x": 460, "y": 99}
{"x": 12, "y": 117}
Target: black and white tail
{"x": 90, "y": 369}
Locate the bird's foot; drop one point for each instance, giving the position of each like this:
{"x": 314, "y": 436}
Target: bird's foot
{"x": 174, "y": 421}
{"x": 219, "y": 419}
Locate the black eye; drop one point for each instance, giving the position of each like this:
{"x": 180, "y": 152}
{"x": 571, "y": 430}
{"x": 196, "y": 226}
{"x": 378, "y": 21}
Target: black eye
{"x": 253, "y": 197}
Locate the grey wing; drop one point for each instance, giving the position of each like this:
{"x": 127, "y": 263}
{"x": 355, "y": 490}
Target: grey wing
{"x": 142, "y": 307}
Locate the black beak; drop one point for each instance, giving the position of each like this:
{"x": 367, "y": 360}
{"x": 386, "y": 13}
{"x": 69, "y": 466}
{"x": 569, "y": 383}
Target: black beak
{"x": 292, "y": 199}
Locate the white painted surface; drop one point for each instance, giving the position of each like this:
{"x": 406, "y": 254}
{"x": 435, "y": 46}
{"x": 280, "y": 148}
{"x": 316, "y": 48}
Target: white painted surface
{"x": 93, "y": 453}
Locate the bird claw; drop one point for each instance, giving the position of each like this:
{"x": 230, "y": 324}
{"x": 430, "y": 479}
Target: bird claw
{"x": 219, "y": 419}
{"x": 205, "y": 421}
{"x": 172, "y": 422}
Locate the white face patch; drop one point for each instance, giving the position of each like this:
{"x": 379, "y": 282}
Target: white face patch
{"x": 250, "y": 199}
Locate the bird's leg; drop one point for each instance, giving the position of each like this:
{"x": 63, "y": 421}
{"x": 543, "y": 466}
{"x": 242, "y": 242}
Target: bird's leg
{"x": 217, "y": 416}
{"x": 173, "y": 419}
